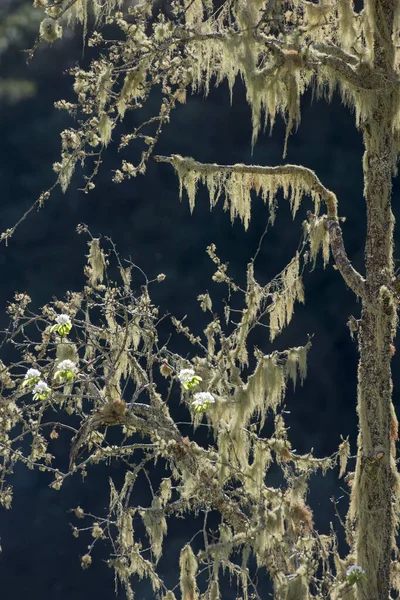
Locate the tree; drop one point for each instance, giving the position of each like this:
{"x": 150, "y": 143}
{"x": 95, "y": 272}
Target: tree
{"x": 280, "y": 49}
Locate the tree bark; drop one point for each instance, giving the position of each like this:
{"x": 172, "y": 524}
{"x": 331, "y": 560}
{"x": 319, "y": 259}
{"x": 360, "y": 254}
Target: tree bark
{"x": 372, "y": 511}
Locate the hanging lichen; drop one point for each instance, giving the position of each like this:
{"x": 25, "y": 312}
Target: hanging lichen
{"x": 291, "y": 289}
{"x": 319, "y": 238}
{"x": 256, "y": 472}
{"x": 105, "y": 128}
{"x": 156, "y": 526}
{"x": 236, "y": 183}
{"x": 296, "y": 362}
{"x": 96, "y": 261}
{"x": 344, "y": 453}
{"x": 188, "y": 572}
{"x": 133, "y": 89}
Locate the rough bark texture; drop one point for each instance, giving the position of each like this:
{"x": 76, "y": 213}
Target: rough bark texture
{"x": 376, "y": 480}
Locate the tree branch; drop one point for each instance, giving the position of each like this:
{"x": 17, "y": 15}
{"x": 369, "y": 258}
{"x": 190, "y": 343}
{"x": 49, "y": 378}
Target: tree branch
{"x": 352, "y": 277}
{"x": 333, "y": 50}
{"x": 348, "y": 68}
{"x": 342, "y": 69}
{"x": 311, "y": 183}
{"x": 187, "y": 455}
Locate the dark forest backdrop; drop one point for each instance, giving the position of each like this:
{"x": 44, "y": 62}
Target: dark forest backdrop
{"x": 145, "y": 219}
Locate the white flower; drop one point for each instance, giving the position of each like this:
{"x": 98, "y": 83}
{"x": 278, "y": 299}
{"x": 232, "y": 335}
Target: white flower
{"x": 41, "y": 391}
{"x": 355, "y": 569}
{"x": 32, "y": 374}
{"x": 63, "y": 319}
{"x": 355, "y": 573}
{"x": 203, "y": 397}
{"x": 63, "y": 324}
{"x": 186, "y": 375}
{"x": 202, "y": 400}
{"x": 41, "y": 386}
{"x": 67, "y": 365}
{"x": 188, "y": 378}
{"x": 66, "y": 369}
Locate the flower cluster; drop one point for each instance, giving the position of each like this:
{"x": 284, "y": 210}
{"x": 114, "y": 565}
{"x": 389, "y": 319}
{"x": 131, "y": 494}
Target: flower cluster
{"x": 202, "y": 401}
{"x": 354, "y": 574}
{"x": 189, "y": 379}
{"x": 66, "y": 370}
{"x": 32, "y": 377}
{"x": 63, "y": 325}
{"x": 41, "y": 391}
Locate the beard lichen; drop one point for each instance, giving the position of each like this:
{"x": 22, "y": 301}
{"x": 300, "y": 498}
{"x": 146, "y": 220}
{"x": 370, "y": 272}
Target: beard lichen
{"x": 236, "y": 182}
{"x": 290, "y": 290}
{"x": 156, "y": 526}
{"x": 188, "y": 571}
{"x": 96, "y": 262}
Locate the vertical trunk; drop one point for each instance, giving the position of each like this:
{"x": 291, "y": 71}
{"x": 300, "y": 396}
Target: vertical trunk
{"x": 376, "y": 474}
{"x": 376, "y": 478}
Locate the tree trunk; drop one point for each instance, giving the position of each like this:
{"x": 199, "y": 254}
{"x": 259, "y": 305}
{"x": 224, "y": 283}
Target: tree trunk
{"x": 376, "y": 478}
{"x": 376, "y": 474}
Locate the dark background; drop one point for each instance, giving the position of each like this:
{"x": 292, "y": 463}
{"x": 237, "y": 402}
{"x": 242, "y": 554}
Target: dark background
{"x": 144, "y": 217}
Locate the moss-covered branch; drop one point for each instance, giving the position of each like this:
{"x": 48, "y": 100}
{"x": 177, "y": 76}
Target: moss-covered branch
{"x": 237, "y": 180}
